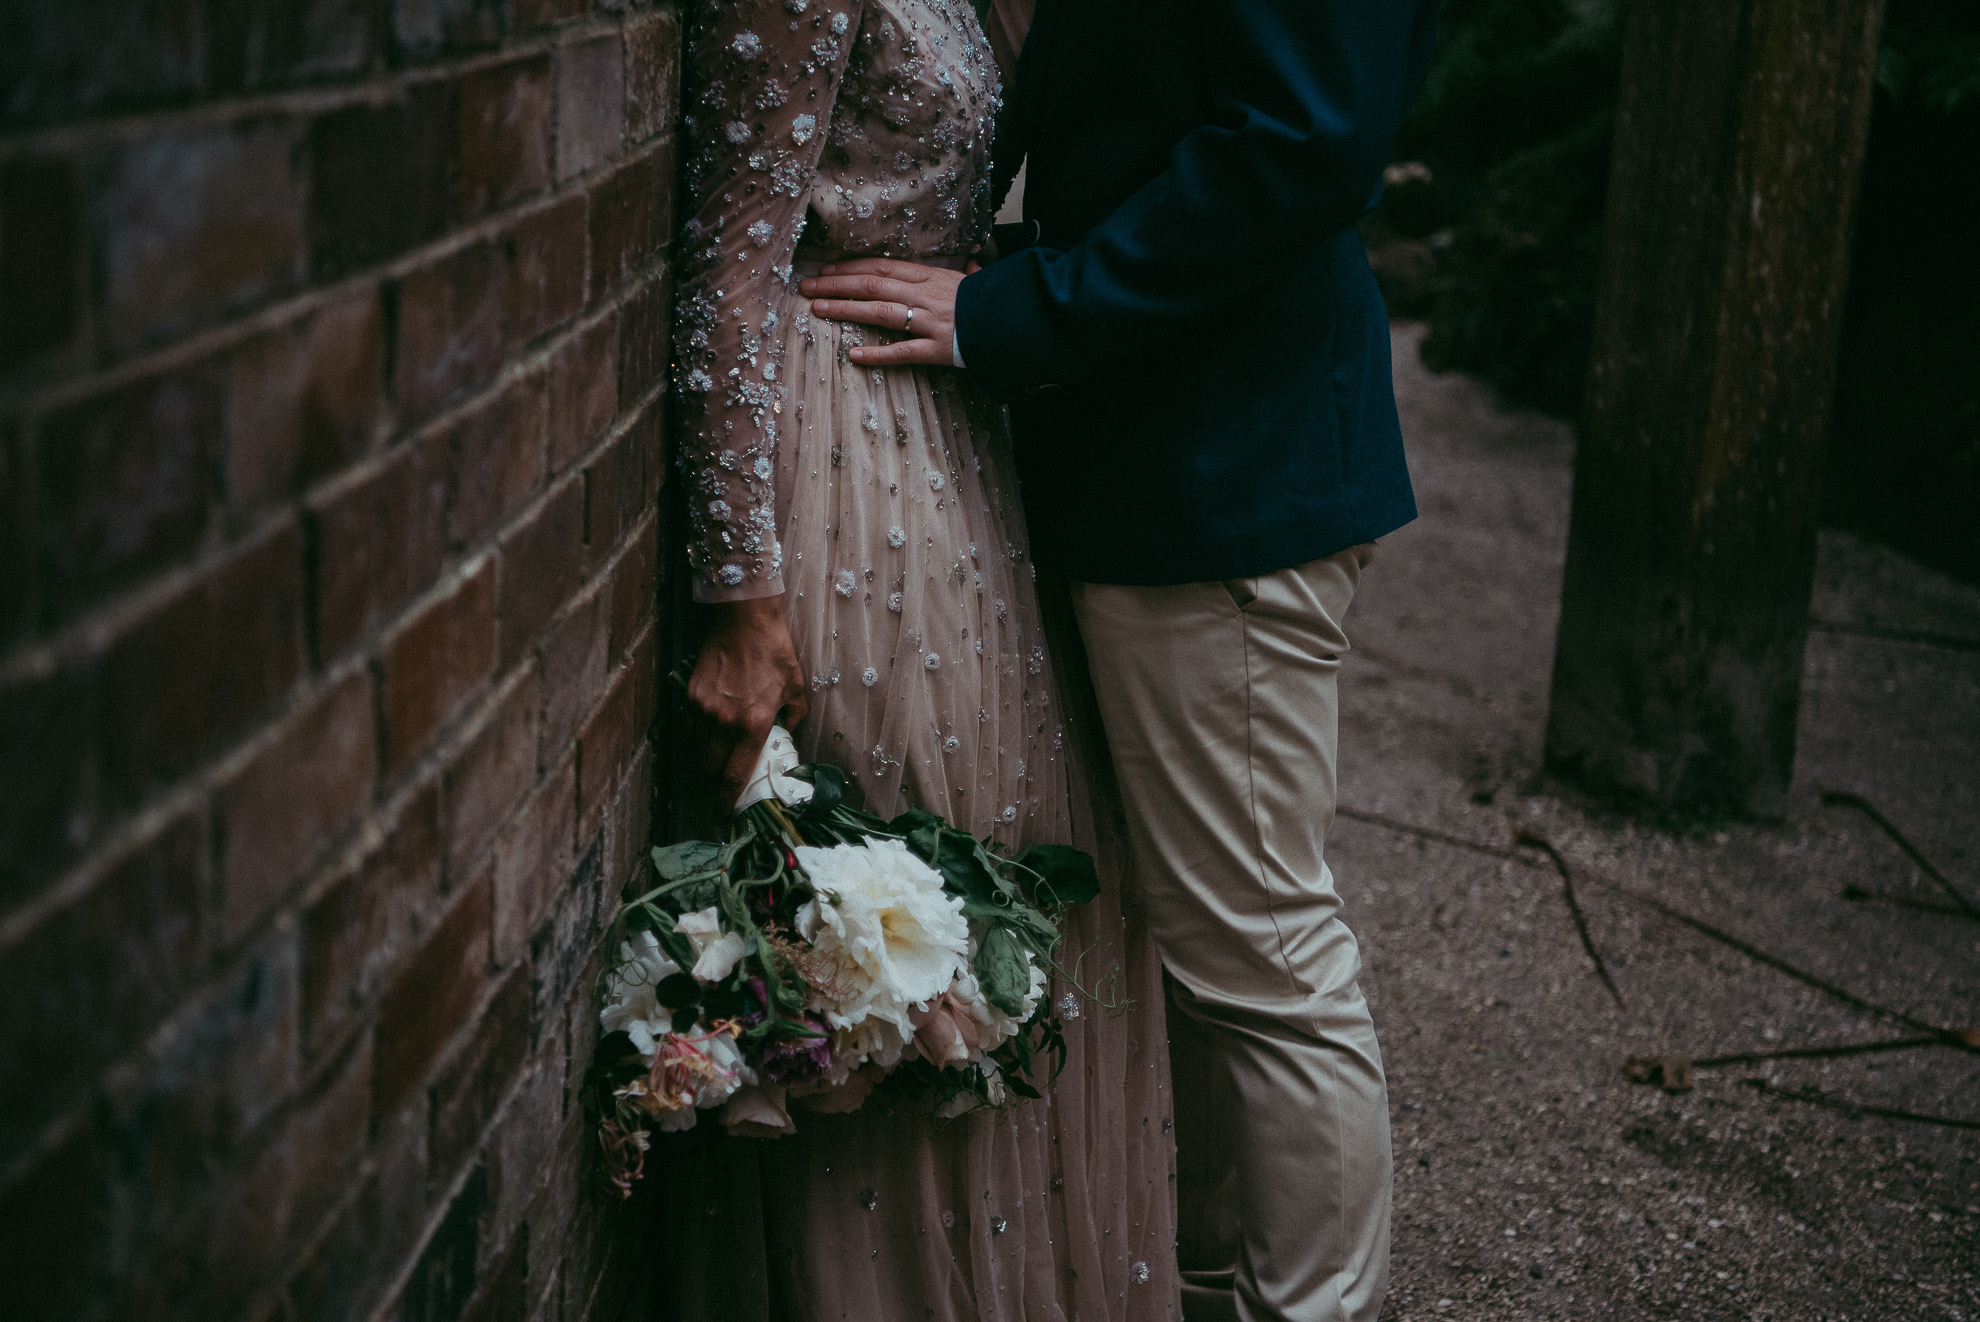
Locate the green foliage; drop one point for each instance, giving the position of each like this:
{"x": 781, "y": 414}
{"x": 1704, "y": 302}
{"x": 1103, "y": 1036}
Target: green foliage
{"x": 1931, "y": 55}
{"x": 1513, "y": 125}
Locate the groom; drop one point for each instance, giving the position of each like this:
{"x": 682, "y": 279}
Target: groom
{"x": 1196, "y": 361}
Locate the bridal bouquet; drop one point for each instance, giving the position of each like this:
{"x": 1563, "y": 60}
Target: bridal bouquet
{"x": 819, "y": 951}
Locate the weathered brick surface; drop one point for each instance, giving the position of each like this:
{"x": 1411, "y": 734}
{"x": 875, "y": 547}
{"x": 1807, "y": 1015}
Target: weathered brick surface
{"x": 304, "y": 400}
{"x": 302, "y": 789}
{"x": 504, "y": 147}
{"x": 436, "y": 660}
{"x": 591, "y": 94}
{"x": 331, "y": 335}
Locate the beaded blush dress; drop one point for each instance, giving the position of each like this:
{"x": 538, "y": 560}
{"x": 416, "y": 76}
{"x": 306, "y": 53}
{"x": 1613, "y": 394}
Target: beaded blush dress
{"x": 882, "y": 505}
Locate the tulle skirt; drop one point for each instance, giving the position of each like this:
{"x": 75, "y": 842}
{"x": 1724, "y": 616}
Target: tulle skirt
{"x": 937, "y": 682}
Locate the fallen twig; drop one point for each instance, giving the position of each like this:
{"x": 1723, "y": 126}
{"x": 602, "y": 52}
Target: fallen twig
{"x": 1846, "y": 799}
{"x": 1950, "y": 1037}
{"x": 1819, "y": 1098}
{"x": 1858, "y": 895}
{"x": 1821, "y": 1053}
{"x": 1546, "y": 846}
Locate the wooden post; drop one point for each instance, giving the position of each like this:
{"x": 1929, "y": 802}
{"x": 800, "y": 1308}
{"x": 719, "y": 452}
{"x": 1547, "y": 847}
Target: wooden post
{"x": 1740, "y": 132}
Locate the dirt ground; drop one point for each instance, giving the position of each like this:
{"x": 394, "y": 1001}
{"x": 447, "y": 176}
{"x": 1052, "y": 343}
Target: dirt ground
{"x": 1535, "y": 1181}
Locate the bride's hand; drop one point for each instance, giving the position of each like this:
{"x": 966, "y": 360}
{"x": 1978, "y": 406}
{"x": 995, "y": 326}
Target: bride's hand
{"x": 876, "y": 291}
{"x": 746, "y": 679}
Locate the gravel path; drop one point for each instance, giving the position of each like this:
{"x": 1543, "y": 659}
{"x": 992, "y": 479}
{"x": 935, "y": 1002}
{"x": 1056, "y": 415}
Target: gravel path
{"x": 1533, "y": 1180}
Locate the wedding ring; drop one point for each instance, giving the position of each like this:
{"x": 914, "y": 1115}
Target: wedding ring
{"x": 908, "y": 325}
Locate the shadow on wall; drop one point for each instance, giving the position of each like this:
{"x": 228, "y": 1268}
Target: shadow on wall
{"x": 1490, "y": 229}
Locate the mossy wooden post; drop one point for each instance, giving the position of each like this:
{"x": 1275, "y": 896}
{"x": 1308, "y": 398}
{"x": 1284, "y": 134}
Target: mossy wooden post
{"x": 1740, "y": 131}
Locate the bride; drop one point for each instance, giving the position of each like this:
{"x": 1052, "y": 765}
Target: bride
{"x": 857, "y": 537}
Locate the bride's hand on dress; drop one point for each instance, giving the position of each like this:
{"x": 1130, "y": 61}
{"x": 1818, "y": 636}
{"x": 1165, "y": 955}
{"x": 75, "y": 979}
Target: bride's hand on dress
{"x": 746, "y": 679}
{"x": 877, "y": 291}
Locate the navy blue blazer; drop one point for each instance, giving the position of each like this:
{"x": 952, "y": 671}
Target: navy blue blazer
{"x": 1194, "y": 350}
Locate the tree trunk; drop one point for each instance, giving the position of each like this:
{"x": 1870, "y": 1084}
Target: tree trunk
{"x": 1740, "y": 131}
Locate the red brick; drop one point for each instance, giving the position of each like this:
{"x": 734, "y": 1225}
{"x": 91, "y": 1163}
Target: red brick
{"x": 274, "y": 1205}
{"x": 47, "y": 764}
{"x": 40, "y": 277}
{"x": 533, "y": 860}
{"x": 502, "y": 148}
{"x": 625, "y": 223}
{"x": 650, "y": 433}
{"x": 436, "y": 661}
{"x": 493, "y": 771}
{"x": 293, "y": 798}
{"x": 264, "y": 43}
{"x": 196, "y": 669}
{"x": 379, "y": 178}
{"x": 653, "y": 44}
{"x": 303, "y": 400}
{"x": 126, "y": 480}
{"x": 84, "y": 59}
{"x": 200, "y": 222}
{"x": 604, "y": 746}
{"x": 646, "y": 687}
{"x": 643, "y": 342}
{"x": 591, "y": 103}
{"x": 547, "y": 272}
{"x": 441, "y": 27}
{"x": 613, "y": 487}
{"x": 364, "y": 923}
{"x": 450, "y": 332}
{"x": 56, "y": 1250}
{"x": 431, "y": 999}
{"x": 228, "y": 1062}
{"x": 626, "y": 834}
{"x": 542, "y": 564}
{"x": 635, "y": 586}
{"x": 380, "y": 536}
{"x": 92, "y": 978}
{"x": 584, "y": 390}
{"x": 344, "y": 1272}
{"x": 576, "y": 659}
{"x": 471, "y": 1087}
{"x": 443, "y": 1280}
{"x": 496, "y": 454}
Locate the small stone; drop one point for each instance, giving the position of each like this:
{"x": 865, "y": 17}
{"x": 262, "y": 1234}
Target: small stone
{"x": 1068, "y": 1006}
{"x": 998, "y": 1225}
{"x": 1058, "y": 1183}
{"x": 1138, "y": 1273}
{"x": 869, "y": 1199}
{"x": 948, "y": 1220}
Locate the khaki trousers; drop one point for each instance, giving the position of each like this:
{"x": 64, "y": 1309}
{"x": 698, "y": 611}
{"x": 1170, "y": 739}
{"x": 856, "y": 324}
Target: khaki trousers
{"x": 1220, "y": 702}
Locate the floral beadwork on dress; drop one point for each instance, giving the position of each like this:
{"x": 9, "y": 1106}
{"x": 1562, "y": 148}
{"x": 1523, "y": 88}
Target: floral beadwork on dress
{"x": 862, "y": 126}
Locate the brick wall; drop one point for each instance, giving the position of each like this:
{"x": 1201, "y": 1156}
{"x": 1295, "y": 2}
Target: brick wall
{"x": 331, "y": 344}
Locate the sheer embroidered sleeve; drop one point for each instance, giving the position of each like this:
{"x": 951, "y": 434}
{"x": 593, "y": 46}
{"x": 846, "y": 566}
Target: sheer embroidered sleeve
{"x": 763, "y": 76}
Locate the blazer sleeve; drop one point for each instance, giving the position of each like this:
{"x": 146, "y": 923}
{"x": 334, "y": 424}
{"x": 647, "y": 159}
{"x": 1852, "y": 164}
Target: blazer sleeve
{"x": 1305, "y": 97}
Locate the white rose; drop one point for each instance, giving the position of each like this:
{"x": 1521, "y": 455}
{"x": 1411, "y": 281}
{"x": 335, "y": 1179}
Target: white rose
{"x": 716, "y": 952}
{"x": 883, "y": 924}
{"x": 632, "y": 1007}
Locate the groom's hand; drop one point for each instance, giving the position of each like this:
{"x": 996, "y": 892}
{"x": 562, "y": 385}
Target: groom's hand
{"x": 875, "y": 291}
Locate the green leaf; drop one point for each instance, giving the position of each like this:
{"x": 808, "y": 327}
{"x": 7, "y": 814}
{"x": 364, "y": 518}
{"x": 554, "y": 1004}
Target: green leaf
{"x": 687, "y": 859}
{"x": 923, "y": 832}
{"x": 828, "y": 788}
{"x": 1002, "y": 970}
{"x": 1065, "y": 875}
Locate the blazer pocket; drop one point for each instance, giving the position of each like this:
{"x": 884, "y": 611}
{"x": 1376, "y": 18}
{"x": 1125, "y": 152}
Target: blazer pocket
{"x": 1241, "y": 591}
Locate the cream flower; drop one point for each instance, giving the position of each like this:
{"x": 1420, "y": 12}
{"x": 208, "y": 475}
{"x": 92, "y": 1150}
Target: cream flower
{"x": 716, "y": 952}
{"x": 892, "y": 937}
{"x": 632, "y": 1007}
